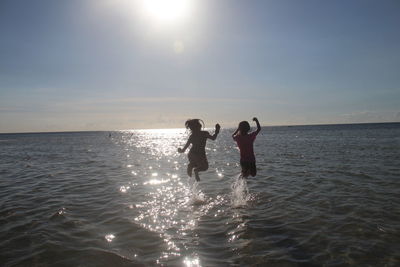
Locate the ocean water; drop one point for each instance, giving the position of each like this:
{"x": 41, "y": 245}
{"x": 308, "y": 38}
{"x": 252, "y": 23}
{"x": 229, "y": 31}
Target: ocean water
{"x": 323, "y": 196}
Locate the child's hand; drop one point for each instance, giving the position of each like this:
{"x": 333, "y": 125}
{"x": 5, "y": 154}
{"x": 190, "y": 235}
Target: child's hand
{"x": 217, "y": 127}
{"x": 180, "y": 150}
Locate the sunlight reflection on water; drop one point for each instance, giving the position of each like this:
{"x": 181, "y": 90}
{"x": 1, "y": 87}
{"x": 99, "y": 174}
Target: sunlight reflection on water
{"x": 322, "y": 196}
{"x": 173, "y": 205}
{"x": 191, "y": 262}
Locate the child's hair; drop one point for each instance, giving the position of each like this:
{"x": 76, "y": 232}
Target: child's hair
{"x": 193, "y": 123}
{"x": 244, "y": 127}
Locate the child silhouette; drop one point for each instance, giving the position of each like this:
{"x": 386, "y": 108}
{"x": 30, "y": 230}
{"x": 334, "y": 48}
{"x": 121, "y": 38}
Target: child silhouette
{"x": 245, "y": 142}
{"x": 197, "y": 153}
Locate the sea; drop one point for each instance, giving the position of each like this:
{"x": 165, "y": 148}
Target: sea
{"x": 324, "y": 195}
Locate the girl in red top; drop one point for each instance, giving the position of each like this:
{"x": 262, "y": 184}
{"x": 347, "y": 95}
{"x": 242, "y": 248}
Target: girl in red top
{"x": 245, "y": 142}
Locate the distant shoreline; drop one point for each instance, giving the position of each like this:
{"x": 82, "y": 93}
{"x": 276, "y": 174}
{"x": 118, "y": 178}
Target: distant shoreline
{"x": 294, "y": 125}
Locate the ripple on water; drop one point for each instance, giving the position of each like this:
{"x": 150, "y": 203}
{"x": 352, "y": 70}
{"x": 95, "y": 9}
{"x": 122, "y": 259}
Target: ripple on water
{"x": 314, "y": 201}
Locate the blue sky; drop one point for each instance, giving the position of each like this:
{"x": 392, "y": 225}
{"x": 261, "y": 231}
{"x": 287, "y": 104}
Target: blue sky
{"x": 104, "y": 65}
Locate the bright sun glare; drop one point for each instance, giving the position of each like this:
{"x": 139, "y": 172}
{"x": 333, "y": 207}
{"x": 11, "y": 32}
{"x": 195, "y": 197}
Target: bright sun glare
{"x": 167, "y": 11}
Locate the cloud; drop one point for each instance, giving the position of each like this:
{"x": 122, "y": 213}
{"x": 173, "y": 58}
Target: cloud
{"x": 113, "y": 113}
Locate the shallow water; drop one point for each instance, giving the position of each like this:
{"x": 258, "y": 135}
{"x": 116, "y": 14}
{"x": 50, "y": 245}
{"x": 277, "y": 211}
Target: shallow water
{"x": 323, "y": 196}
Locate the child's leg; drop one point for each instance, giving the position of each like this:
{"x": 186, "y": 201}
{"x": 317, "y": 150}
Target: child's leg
{"x": 202, "y": 166}
{"x": 253, "y": 169}
{"x": 190, "y": 169}
{"x": 196, "y": 175}
{"x": 245, "y": 169}
{"x": 192, "y": 163}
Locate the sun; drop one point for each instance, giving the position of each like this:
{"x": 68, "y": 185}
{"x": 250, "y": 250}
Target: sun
{"x": 167, "y": 11}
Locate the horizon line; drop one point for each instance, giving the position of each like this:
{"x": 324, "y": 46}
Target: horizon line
{"x": 172, "y": 128}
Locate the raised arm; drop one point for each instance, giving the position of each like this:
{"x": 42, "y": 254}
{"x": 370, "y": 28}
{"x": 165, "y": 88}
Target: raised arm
{"x": 235, "y": 133}
{"x": 258, "y": 125}
{"x": 214, "y": 136}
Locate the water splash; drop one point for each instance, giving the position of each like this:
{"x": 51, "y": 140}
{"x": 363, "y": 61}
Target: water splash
{"x": 240, "y": 192}
{"x": 191, "y": 262}
{"x": 196, "y": 196}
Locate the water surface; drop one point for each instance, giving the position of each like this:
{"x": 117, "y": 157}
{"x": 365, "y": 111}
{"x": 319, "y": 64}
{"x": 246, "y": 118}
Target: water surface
{"x": 323, "y": 196}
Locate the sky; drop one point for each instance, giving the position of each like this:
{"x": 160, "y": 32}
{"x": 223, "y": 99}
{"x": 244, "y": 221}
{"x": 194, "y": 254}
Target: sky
{"x": 75, "y": 65}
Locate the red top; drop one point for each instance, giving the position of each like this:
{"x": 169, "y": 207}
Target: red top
{"x": 245, "y": 144}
